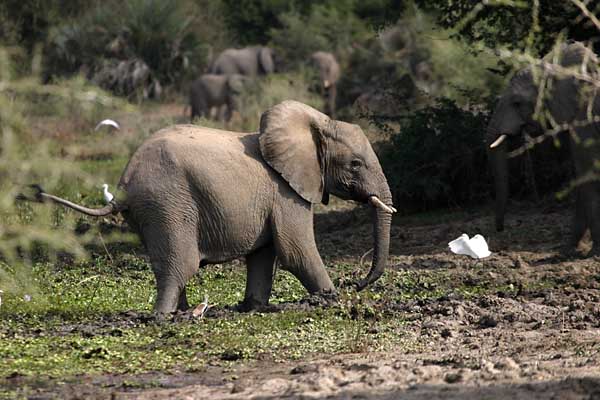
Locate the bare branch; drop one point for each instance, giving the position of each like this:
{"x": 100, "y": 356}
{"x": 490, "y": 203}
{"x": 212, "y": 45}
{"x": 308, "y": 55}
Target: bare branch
{"x": 587, "y": 13}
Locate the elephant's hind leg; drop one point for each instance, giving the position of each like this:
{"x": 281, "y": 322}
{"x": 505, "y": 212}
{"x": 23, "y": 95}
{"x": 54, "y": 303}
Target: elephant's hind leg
{"x": 175, "y": 259}
{"x": 259, "y": 281}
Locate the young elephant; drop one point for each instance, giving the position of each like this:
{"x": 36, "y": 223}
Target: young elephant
{"x": 570, "y": 102}
{"x": 201, "y": 196}
{"x": 218, "y": 91}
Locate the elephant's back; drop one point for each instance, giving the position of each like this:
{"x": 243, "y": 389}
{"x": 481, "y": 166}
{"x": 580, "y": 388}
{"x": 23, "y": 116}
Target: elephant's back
{"x": 181, "y": 149}
{"x": 235, "y": 61}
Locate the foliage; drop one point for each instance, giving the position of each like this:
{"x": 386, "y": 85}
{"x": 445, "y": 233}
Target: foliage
{"x": 25, "y": 23}
{"x": 516, "y": 24}
{"x": 269, "y": 91}
{"x": 150, "y": 42}
{"x": 257, "y": 21}
{"x": 412, "y": 62}
{"x": 438, "y": 158}
{"x": 301, "y": 35}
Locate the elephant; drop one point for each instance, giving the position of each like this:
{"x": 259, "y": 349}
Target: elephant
{"x": 570, "y": 103}
{"x": 212, "y": 90}
{"x": 248, "y": 61}
{"x": 199, "y": 196}
{"x": 329, "y": 74}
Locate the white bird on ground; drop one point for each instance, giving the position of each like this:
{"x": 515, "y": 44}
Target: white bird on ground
{"x": 108, "y": 196}
{"x": 108, "y": 122}
{"x": 1, "y": 297}
{"x": 201, "y": 308}
{"x": 476, "y": 247}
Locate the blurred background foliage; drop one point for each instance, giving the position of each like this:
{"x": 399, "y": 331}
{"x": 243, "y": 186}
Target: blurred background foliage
{"x": 420, "y": 76}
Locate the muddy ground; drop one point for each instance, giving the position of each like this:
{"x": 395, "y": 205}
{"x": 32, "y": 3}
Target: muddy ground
{"x": 535, "y": 337}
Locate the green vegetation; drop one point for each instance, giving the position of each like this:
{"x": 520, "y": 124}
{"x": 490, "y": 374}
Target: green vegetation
{"x": 77, "y": 292}
{"x": 94, "y": 317}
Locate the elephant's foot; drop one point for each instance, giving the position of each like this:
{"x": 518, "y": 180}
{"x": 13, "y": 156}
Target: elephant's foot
{"x": 594, "y": 252}
{"x": 250, "y": 304}
{"x": 569, "y": 251}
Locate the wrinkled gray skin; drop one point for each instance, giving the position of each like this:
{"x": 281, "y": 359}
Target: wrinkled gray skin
{"x": 329, "y": 74}
{"x": 202, "y": 196}
{"x": 567, "y": 102}
{"x": 218, "y": 91}
{"x": 248, "y": 61}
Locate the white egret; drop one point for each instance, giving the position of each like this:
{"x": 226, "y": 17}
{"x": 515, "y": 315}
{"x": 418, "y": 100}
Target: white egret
{"x": 108, "y": 196}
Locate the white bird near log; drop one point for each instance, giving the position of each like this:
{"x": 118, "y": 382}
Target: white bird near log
{"x": 476, "y": 247}
{"x": 108, "y": 122}
{"x": 201, "y": 308}
{"x": 108, "y": 196}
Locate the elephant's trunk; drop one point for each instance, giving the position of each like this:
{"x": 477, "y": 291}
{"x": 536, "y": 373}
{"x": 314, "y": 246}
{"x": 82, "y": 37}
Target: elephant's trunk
{"x": 499, "y": 165}
{"x": 382, "y": 219}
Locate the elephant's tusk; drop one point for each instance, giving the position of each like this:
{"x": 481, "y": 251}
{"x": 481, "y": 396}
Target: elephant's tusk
{"x": 498, "y": 141}
{"x": 374, "y": 200}
{"x": 326, "y": 83}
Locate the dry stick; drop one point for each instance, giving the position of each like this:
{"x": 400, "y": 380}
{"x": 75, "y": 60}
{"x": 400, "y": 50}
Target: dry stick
{"x": 105, "y": 248}
{"x": 551, "y": 133}
{"x": 587, "y": 13}
{"x": 362, "y": 258}
{"x": 89, "y": 278}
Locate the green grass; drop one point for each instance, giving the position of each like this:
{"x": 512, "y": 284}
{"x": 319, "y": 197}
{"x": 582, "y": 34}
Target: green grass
{"x": 73, "y": 325}
{"x": 76, "y": 322}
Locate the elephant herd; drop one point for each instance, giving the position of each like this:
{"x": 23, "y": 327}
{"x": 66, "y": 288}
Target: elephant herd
{"x": 233, "y": 69}
{"x": 199, "y": 196}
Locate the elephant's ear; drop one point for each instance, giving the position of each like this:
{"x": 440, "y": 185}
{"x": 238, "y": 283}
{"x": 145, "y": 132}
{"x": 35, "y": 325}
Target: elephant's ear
{"x": 265, "y": 57}
{"x": 292, "y": 142}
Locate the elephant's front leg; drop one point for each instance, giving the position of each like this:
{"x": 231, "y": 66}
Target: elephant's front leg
{"x": 296, "y": 248}
{"x": 259, "y": 281}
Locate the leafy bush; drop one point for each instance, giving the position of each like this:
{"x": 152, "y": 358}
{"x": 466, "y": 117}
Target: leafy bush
{"x": 270, "y": 91}
{"x": 326, "y": 28}
{"x": 263, "y": 93}
{"x": 26, "y": 157}
{"x": 128, "y": 47}
{"x": 413, "y": 61}
{"x": 438, "y": 159}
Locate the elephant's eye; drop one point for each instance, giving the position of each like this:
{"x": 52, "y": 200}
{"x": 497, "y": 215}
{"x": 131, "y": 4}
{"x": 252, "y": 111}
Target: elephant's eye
{"x": 356, "y": 164}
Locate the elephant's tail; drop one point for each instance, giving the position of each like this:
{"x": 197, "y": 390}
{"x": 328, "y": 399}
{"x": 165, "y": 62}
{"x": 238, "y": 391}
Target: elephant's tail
{"x": 41, "y": 197}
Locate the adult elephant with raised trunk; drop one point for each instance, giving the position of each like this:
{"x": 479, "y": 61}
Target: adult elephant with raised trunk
{"x": 562, "y": 89}
{"x": 201, "y": 196}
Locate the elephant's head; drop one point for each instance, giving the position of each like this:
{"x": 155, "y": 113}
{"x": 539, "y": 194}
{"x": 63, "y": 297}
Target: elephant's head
{"x": 328, "y": 67}
{"x": 319, "y": 156}
{"x": 265, "y": 60}
{"x": 515, "y": 111}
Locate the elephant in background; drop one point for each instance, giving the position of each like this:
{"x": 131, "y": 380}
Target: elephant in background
{"x": 569, "y": 103}
{"x": 248, "y": 61}
{"x": 218, "y": 91}
{"x": 329, "y": 74}
{"x": 200, "y": 196}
